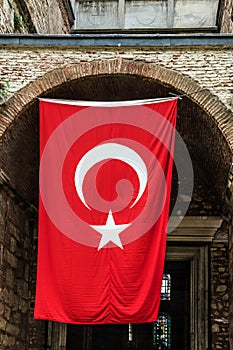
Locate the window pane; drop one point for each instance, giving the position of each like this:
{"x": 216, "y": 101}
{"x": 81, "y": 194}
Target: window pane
{"x": 96, "y": 14}
{"x": 195, "y": 13}
{"x": 166, "y": 287}
{"x": 162, "y": 332}
{"x": 146, "y": 14}
{"x": 130, "y": 334}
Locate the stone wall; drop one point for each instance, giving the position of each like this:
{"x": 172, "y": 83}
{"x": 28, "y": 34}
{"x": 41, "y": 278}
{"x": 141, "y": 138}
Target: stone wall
{"x": 231, "y": 287}
{"x": 6, "y": 17}
{"x": 31, "y": 16}
{"x": 16, "y": 274}
{"x": 211, "y": 67}
{"x": 49, "y": 16}
{"x": 226, "y": 24}
{"x": 230, "y": 192}
{"x": 219, "y": 296}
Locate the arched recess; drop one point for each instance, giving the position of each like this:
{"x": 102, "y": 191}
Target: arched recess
{"x": 203, "y": 122}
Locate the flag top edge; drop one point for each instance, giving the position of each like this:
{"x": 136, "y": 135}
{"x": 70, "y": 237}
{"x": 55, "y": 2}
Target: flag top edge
{"x": 108, "y": 103}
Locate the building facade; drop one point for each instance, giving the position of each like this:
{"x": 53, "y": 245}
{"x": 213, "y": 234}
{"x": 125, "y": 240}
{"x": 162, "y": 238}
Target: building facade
{"x": 106, "y": 58}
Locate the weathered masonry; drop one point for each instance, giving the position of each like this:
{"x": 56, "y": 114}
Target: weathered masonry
{"x": 121, "y": 67}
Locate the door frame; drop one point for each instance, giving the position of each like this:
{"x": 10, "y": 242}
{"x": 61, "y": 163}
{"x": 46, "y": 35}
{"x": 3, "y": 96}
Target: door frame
{"x": 188, "y": 241}
{"x": 198, "y": 258}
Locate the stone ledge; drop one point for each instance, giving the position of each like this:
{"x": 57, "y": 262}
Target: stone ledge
{"x": 193, "y": 228}
{"x": 117, "y": 40}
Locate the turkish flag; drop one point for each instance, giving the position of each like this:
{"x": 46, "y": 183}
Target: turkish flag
{"x": 105, "y": 180}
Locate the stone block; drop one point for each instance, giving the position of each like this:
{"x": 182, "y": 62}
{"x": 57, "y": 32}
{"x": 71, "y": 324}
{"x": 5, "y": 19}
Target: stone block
{"x": 12, "y": 329}
{"x": 9, "y": 277}
{"x": 2, "y": 324}
{"x": 215, "y": 328}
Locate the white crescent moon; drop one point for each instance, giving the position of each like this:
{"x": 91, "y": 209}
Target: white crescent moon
{"x": 110, "y": 151}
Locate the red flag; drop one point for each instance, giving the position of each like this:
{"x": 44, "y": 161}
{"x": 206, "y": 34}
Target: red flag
{"x": 105, "y": 179}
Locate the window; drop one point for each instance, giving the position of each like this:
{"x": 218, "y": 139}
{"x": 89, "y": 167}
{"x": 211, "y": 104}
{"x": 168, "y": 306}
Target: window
{"x": 162, "y": 327}
{"x": 145, "y": 14}
{"x": 162, "y": 332}
{"x": 166, "y": 287}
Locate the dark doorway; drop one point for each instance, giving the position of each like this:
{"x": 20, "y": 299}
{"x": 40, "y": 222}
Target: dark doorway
{"x": 97, "y": 337}
{"x": 178, "y": 307}
{"x": 170, "y": 332}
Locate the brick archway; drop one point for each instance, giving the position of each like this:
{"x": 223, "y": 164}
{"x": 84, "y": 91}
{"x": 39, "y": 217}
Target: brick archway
{"x": 181, "y": 83}
{"x": 14, "y": 126}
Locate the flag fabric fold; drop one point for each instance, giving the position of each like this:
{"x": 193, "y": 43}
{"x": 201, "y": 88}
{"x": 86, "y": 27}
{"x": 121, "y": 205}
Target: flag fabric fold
{"x": 105, "y": 182}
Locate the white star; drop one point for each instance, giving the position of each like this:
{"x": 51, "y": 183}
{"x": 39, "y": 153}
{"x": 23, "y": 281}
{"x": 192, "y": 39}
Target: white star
{"x": 110, "y": 232}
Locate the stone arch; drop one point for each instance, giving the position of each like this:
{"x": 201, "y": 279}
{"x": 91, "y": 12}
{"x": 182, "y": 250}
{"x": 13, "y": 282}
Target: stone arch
{"x": 181, "y": 83}
{"x": 12, "y": 116}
